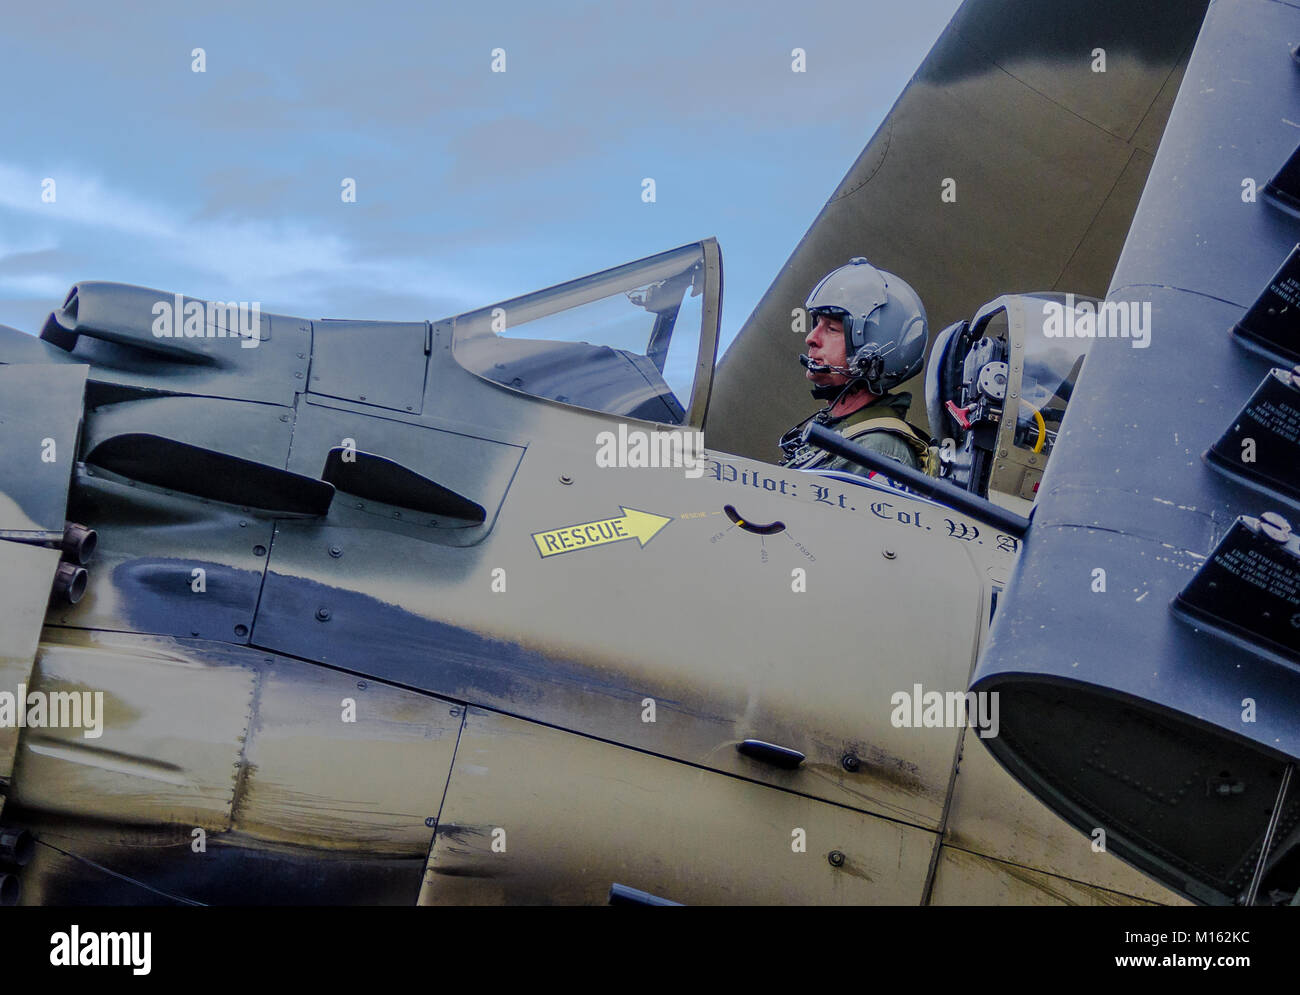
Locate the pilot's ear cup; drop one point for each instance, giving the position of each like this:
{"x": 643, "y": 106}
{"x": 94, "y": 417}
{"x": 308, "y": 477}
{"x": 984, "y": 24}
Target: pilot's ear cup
{"x": 912, "y": 341}
{"x": 911, "y": 348}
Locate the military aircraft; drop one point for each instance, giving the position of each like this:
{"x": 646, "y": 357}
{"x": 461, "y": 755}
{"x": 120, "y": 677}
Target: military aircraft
{"x": 460, "y": 611}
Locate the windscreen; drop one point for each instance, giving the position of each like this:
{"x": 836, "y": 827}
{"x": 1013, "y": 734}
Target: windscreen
{"x": 1052, "y": 365}
{"x": 625, "y": 342}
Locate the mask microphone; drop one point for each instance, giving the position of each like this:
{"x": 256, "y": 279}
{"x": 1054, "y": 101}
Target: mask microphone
{"x": 822, "y": 367}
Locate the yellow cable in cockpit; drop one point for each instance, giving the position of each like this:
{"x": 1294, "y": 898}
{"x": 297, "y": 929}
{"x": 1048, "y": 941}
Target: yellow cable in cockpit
{"x": 1039, "y": 424}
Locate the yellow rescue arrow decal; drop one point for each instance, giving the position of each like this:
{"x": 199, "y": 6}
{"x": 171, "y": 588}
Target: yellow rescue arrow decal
{"x": 633, "y": 524}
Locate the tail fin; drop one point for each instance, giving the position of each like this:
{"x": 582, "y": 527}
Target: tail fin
{"x": 1013, "y": 161}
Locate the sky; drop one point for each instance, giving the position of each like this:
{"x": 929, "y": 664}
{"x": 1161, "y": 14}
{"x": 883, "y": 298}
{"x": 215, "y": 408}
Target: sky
{"x": 471, "y": 185}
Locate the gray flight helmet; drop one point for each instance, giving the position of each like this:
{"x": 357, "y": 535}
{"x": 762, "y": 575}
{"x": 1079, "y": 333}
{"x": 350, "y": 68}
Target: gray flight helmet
{"x": 884, "y": 322}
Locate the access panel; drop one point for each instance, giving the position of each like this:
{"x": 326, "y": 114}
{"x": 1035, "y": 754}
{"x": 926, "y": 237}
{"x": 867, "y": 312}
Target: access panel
{"x": 534, "y": 815}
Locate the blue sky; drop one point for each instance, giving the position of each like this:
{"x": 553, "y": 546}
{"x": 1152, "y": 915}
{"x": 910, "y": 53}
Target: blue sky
{"x": 471, "y": 186}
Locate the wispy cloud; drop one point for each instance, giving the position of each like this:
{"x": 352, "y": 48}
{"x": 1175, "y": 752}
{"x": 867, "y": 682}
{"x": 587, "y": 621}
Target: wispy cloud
{"x": 473, "y": 186}
{"x": 246, "y": 258}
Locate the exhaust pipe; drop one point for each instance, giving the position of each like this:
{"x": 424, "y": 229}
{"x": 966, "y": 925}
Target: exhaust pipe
{"x": 78, "y": 543}
{"x": 70, "y": 582}
{"x": 16, "y": 846}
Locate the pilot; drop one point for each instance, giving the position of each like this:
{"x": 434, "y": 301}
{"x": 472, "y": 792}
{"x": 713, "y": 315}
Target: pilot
{"x": 868, "y": 334}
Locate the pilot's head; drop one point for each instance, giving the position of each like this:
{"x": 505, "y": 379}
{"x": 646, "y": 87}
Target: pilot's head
{"x": 825, "y": 342}
{"x": 868, "y": 326}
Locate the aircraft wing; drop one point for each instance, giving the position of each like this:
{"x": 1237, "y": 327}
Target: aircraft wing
{"x": 1145, "y": 650}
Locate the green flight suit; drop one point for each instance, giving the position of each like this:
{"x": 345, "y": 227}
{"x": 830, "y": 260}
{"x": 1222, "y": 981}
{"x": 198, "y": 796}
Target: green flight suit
{"x": 887, "y": 441}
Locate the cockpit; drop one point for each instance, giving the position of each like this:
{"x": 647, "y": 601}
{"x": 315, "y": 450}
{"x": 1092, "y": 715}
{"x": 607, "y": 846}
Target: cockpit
{"x": 640, "y": 340}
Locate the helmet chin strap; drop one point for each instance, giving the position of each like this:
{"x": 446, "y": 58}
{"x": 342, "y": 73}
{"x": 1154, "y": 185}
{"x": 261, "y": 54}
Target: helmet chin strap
{"x": 834, "y": 393}
{"x": 824, "y": 392}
